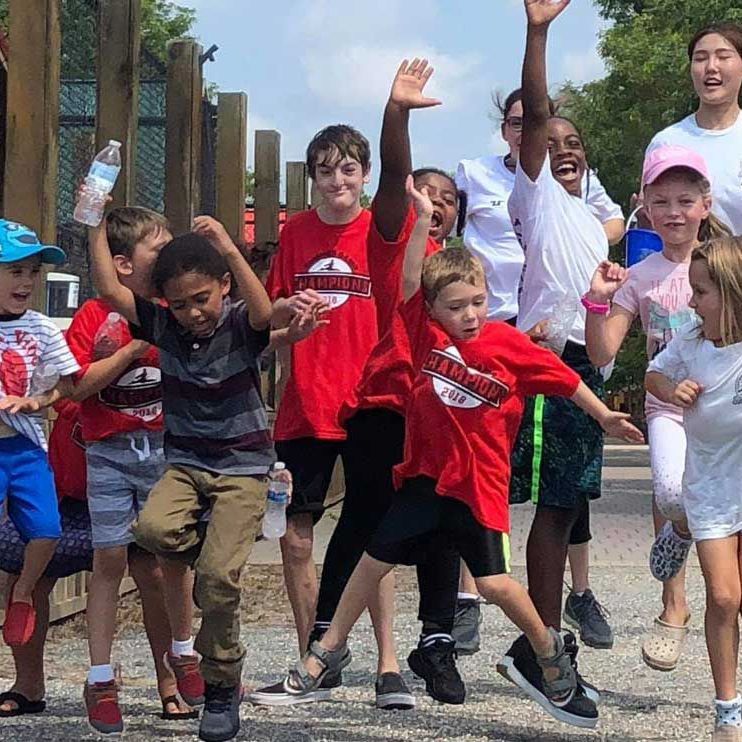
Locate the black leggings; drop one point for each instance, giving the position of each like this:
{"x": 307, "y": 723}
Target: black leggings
{"x": 581, "y": 529}
{"x": 375, "y": 444}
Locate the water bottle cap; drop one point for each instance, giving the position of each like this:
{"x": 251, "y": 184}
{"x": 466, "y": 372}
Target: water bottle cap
{"x": 279, "y": 466}
{"x": 114, "y": 143}
{"x": 114, "y": 317}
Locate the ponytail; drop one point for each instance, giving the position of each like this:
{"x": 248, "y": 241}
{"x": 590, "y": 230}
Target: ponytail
{"x": 711, "y": 228}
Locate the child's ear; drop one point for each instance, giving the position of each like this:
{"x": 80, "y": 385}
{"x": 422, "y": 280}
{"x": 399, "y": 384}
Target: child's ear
{"x": 367, "y": 174}
{"x": 123, "y": 265}
{"x": 225, "y": 284}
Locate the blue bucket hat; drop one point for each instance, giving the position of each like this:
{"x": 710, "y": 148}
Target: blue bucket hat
{"x": 18, "y": 242}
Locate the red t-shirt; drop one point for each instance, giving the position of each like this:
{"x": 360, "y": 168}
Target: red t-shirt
{"x": 67, "y": 452}
{"x": 466, "y": 406}
{"x": 134, "y": 401}
{"x": 326, "y": 366}
{"x": 387, "y": 376}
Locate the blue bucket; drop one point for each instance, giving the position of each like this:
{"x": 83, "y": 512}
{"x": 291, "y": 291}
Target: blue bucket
{"x": 640, "y": 243}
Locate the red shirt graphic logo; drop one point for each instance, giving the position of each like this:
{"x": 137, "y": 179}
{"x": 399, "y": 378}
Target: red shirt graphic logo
{"x": 335, "y": 279}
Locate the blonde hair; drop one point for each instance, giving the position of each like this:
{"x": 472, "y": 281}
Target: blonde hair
{"x": 448, "y": 266}
{"x": 711, "y": 227}
{"x": 723, "y": 259}
{"x": 129, "y": 225}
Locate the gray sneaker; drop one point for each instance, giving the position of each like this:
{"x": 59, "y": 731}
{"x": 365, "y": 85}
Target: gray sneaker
{"x": 466, "y": 624}
{"x": 220, "y": 720}
{"x": 584, "y": 613}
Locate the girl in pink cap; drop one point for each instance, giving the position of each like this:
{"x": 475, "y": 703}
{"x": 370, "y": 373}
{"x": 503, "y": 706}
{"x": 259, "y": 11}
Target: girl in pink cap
{"x": 677, "y": 195}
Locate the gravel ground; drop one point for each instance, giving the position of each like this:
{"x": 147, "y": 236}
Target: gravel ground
{"x": 637, "y": 703}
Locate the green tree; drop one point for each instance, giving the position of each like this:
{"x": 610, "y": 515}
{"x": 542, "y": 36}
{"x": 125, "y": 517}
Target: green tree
{"x": 162, "y": 21}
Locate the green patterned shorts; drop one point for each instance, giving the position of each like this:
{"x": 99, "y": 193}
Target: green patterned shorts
{"x": 557, "y": 460}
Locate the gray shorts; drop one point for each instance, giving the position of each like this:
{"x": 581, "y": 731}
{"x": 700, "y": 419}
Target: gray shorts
{"x": 121, "y": 472}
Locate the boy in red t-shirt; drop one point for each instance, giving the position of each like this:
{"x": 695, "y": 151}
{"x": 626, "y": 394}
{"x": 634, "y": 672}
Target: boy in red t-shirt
{"x": 122, "y": 425}
{"x": 322, "y": 254}
{"x": 472, "y": 377}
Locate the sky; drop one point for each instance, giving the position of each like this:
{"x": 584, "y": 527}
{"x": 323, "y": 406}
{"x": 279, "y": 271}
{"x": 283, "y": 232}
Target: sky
{"x": 308, "y": 63}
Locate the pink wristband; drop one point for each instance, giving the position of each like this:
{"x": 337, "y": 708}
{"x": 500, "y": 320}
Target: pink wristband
{"x": 595, "y": 308}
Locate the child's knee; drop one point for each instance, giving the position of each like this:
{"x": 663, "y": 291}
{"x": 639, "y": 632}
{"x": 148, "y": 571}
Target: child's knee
{"x": 296, "y": 545}
{"x": 110, "y": 564}
{"x": 669, "y": 498}
{"x": 155, "y": 535}
{"x": 497, "y": 589}
{"x": 724, "y": 601}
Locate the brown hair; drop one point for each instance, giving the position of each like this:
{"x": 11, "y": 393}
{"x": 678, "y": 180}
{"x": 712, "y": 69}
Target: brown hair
{"x": 723, "y": 259}
{"x": 732, "y": 32}
{"x": 448, "y": 266}
{"x": 128, "y": 225}
{"x": 336, "y": 142}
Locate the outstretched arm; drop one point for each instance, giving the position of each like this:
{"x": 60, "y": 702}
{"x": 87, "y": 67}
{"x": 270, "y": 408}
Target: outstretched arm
{"x": 535, "y": 141}
{"x": 391, "y": 201}
{"x": 614, "y": 423}
{"x": 415, "y": 253}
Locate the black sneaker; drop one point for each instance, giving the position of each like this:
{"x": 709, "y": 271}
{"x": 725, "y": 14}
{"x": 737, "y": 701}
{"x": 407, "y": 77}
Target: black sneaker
{"x": 571, "y": 648}
{"x": 520, "y": 667}
{"x": 436, "y": 665}
{"x": 392, "y": 693}
{"x": 466, "y": 623}
{"x": 584, "y": 613}
{"x": 221, "y": 716}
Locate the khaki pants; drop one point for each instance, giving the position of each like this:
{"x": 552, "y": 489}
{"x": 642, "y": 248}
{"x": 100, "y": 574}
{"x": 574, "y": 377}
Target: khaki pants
{"x": 169, "y": 526}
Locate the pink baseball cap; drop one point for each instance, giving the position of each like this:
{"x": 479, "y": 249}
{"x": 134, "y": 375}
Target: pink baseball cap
{"x": 668, "y": 156}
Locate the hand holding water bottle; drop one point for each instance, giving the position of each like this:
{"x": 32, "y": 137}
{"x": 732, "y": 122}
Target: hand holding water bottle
{"x": 101, "y": 178}
{"x": 109, "y": 338}
{"x": 278, "y": 498}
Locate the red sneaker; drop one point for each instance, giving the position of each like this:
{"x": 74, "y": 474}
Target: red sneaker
{"x": 186, "y": 669}
{"x": 102, "y": 704}
{"x": 19, "y": 624}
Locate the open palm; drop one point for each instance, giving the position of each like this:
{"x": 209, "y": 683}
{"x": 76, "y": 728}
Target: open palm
{"x": 541, "y": 12}
{"x": 409, "y": 83}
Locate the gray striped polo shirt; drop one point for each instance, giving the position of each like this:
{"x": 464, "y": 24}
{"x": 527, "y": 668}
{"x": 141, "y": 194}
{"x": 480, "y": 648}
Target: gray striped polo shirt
{"x": 214, "y": 413}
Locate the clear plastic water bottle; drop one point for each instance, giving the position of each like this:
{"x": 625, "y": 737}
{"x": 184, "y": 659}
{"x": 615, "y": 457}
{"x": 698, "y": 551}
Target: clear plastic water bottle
{"x": 44, "y": 378}
{"x": 99, "y": 182}
{"x": 561, "y": 322}
{"x": 274, "y": 519}
{"x": 109, "y": 338}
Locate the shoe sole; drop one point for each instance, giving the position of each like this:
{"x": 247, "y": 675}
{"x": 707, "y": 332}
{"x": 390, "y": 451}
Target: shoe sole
{"x": 575, "y": 624}
{"x": 466, "y": 651}
{"x": 265, "y": 699}
{"x": 193, "y": 701}
{"x": 395, "y": 701}
{"x": 654, "y": 665}
{"x": 411, "y": 661}
{"x": 506, "y": 667}
{"x": 219, "y": 737}
{"x": 107, "y": 735}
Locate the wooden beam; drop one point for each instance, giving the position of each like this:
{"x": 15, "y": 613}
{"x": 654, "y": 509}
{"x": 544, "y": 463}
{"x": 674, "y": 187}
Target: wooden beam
{"x": 296, "y": 188}
{"x": 231, "y": 162}
{"x": 119, "y": 34}
{"x": 267, "y": 184}
{"x": 183, "y": 145}
{"x": 31, "y": 161}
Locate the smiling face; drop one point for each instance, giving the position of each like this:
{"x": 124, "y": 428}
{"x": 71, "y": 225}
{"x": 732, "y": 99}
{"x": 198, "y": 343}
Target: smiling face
{"x": 706, "y": 300}
{"x": 716, "y": 70}
{"x": 196, "y": 301}
{"x": 676, "y": 206}
{"x": 461, "y": 309}
{"x": 567, "y": 155}
{"x": 442, "y": 192}
{"x": 340, "y": 181}
{"x": 17, "y": 282}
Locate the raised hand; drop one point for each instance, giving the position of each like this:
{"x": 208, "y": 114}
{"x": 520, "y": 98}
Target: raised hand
{"x": 305, "y": 322}
{"x": 607, "y": 280}
{"x": 20, "y": 405}
{"x": 618, "y": 424}
{"x": 543, "y": 12}
{"x": 686, "y": 393}
{"x": 421, "y": 200}
{"x": 409, "y": 83}
{"x": 214, "y": 232}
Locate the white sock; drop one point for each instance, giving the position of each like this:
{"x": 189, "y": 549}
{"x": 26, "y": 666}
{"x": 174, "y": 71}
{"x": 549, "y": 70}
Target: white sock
{"x": 179, "y": 649}
{"x": 100, "y": 674}
{"x": 467, "y": 596}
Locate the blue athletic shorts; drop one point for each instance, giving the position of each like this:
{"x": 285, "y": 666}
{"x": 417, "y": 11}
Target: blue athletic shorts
{"x": 27, "y": 486}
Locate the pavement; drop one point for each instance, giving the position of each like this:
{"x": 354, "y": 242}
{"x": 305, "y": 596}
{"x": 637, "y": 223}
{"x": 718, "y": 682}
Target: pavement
{"x": 637, "y": 703}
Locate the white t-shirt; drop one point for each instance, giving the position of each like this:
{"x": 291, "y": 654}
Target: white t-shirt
{"x": 25, "y": 343}
{"x": 722, "y": 151}
{"x": 489, "y": 232}
{"x": 563, "y": 242}
{"x": 712, "y": 483}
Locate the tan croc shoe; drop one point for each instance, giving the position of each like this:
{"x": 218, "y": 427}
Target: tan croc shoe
{"x": 663, "y": 645}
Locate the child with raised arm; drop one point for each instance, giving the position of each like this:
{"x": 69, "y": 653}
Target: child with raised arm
{"x": 217, "y": 442}
{"x": 677, "y": 194}
{"x": 471, "y": 377}
{"x": 700, "y": 372}
{"x": 33, "y": 354}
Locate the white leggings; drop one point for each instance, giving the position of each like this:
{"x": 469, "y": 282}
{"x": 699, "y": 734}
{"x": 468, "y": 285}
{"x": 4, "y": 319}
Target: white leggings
{"x": 667, "y": 445}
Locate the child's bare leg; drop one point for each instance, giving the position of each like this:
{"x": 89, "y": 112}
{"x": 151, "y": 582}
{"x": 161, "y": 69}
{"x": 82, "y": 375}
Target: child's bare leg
{"x": 381, "y": 608}
{"x": 36, "y": 556}
{"x": 177, "y": 579}
{"x": 720, "y": 561}
{"x": 358, "y": 593}
{"x": 467, "y": 583}
{"x": 300, "y": 574}
{"x": 109, "y": 566}
{"x": 29, "y": 658}
{"x": 675, "y": 609}
{"x": 579, "y": 566}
